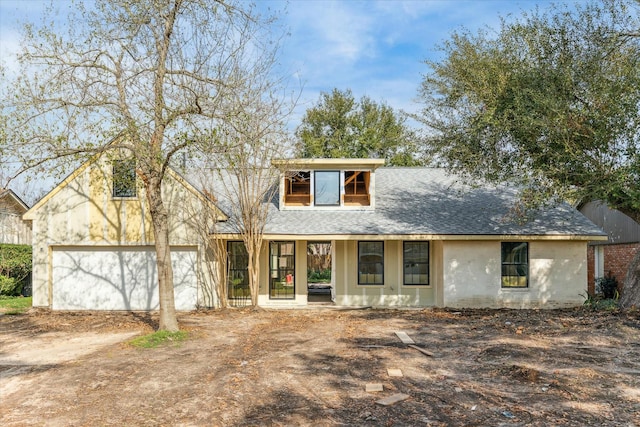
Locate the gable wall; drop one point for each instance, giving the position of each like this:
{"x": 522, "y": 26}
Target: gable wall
{"x": 83, "y": 214}
{"x": 12, "y": 228}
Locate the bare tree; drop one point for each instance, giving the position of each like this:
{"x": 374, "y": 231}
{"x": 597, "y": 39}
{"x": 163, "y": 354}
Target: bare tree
{"x": 204, "y": 216}
{"x": 150, "y": 77}
{"x": 240, "y": 161}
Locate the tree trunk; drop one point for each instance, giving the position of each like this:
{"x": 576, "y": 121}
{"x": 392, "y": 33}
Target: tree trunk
{"x": 631, "y": 292}
{"x": 254, "y": 274}
{"x": 160, "y": 220}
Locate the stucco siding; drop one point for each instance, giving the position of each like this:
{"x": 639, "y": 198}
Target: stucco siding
{"x": 393, "y": 293}
{"x": 40, "y": 271}
{"x": 82, "y": 213}
{"x": 119, "y": 278}
{"x": 472, "y": 275}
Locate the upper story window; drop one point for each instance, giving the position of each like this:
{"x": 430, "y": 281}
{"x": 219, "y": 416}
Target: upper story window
{"x": 297, "y": 191}
{"x": 356, "y": 188}
{"x": 124, "y": 178}
{"x": 327, "y": 183}
{"x": 327, "y": 188}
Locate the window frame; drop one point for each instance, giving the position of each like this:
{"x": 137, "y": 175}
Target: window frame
{"x": 297, "y": 187}
{"x": 277, "y": 274}
{"x": 124, "y": 187}
{"x": 315, "y": 187}
{"x": 357, "y": 180}
{"x": 404, "y": 262}
{"x": 230, "y": 270}
{"x": 361, "y": 263}
{"x": 519, "y": 266}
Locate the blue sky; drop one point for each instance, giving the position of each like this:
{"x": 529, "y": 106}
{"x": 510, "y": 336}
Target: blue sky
{"x": 374, "y": 48}
{"x": 378, "y": 48}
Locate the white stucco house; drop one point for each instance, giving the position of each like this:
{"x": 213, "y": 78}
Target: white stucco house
{"x": 399, "y": 237}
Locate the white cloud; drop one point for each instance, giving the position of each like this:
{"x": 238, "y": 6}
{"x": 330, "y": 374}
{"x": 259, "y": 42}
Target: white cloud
{"x": 331, "y": 33}
{"x": 378, "y": 48}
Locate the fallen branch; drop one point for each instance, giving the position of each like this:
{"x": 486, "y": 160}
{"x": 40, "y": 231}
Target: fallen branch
{"x": 422, "y": 350}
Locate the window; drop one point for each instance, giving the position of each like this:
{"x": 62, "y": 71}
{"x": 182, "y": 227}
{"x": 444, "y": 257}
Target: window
{"x": 356, "y": 188}
{"x": 515, "y": 264}
{"x": 298, "y": 188}
{"x": 370, "y": 263}
{"x": 124, "y": 178}
{"x": 238, "y": 276}
{"x": 282, "y": 270}
{"x": 416, "y": 263}
{"x": 327, "y": 188}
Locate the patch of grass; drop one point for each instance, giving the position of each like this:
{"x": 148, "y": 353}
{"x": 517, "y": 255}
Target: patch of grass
{"x": 159, "y": 338}
{"x": 14, "y": 305}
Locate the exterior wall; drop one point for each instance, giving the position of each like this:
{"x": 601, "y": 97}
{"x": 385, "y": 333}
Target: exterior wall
{"x": 83, "y": 213}
{"x": 615, "y": 255}
{"x": 461, "y": 273}
{"x": 345, "y": 280}
{"x": 591, "y": 270}
{"x": 12, "y": 228}
{"x": 619, "y": 227}
{"x": 393, "y": 293}
{"x": 616, "y": 260}
{"x": 472, "y": 271}
{"x": 122, "y": 278}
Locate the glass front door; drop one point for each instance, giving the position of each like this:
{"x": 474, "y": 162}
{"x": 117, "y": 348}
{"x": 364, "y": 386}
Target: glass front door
{"x": 282, "y": 270}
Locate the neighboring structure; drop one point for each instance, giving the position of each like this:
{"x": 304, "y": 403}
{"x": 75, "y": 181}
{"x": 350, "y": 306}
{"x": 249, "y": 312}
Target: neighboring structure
{"x": 93, "y": 242}
{"x": 400, "y": 237}
{"x": 614, "y": 255}
{"x": 12, "y": 228}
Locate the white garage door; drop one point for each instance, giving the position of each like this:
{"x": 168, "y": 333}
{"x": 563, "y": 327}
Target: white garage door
{"x": 122, "y": 278}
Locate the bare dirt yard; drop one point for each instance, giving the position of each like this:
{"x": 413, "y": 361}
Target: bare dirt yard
{"x": 310, "y": 367}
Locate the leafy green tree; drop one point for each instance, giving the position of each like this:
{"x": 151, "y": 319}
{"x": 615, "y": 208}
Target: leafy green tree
{"x": 153, "y": 78}
{"x": 340, "y": 126}
{"x": 550, "y": 103}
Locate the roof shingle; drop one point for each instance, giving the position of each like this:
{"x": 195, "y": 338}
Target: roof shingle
{"x": 429, "y": 201}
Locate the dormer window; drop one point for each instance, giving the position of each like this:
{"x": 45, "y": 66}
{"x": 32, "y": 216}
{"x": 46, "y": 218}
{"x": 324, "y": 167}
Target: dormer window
{"x": 327, "y": 184}
{"x": 356, "y": 188}
{"x": 298, "y": 188}
{"x": 327, "y": 188}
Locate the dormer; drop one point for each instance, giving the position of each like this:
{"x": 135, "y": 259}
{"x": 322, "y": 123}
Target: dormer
{"x": 327, "y": 184}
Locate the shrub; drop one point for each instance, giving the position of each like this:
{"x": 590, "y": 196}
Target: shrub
{"x": 607, "y": 286}
{"x": 10, "y": 286}
{"x": 314, "y": 276}
{"x": 15, "y": 264}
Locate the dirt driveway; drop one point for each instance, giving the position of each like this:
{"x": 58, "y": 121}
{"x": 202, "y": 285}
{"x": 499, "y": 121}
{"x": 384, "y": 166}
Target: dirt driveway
{"x": 310, "y": 367}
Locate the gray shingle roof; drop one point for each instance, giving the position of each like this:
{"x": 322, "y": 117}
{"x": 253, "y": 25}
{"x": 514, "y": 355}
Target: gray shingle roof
{"x": 418, "y": 201}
